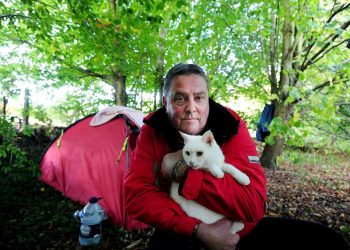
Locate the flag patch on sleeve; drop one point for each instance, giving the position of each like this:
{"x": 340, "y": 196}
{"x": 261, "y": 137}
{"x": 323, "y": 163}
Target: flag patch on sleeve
{"x": 253, "y": 159}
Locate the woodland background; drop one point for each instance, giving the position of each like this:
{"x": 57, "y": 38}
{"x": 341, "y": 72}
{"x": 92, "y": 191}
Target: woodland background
{"x": 61, "y": 60}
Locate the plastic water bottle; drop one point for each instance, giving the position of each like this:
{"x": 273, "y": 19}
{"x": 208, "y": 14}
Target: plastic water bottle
{"x": 91, "y": 217}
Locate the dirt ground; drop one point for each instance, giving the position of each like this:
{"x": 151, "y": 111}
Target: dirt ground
{"x": 35, "y": 216}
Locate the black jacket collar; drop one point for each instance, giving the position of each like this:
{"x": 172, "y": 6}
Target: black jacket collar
{"x": 220, "y": 122}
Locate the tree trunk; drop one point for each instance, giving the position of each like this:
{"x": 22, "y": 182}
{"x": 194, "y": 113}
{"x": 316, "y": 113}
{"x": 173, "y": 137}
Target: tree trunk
{"x": 119, "y": 86}
{"x": 113, "y": 6}
{"x": 271, "y": 152}
{"x": 159, "y": 82}
{"x": 287, "y": 79}
{"x": 26, "y": 107}
{"x": 4, "y": 103}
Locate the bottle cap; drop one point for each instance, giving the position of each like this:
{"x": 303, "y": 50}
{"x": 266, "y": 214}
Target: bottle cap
{"x": 94, "y": 199}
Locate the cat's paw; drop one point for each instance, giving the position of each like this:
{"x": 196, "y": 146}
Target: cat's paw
{"x": 243, "y": 179}
{"x": 219, "y": 175}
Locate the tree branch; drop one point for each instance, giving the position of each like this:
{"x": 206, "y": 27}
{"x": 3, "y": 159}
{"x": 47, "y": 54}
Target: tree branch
{"x": 89, "y": 72}
{"x": 343, "y": 153}
{"x": 327, "y": 83}
{"x": 272, "y": 75}
{"x": 312, "y": 41}
{"x": 234, "y": 33}
{"x": 325, "y": 52}
{"x": 319, "y": 87}
{"x": 340, "y": 9}
{"x": 324, "y": 48}
{"x": 331, "y": 133}
{"x": 72, "y": 7}
{"x": 331, "y": 14}
{"x": 113, "y": 5}
{"x": 12, "y": 16}
{"x": 342, "y": 103}
{"x": 263, "y": 58}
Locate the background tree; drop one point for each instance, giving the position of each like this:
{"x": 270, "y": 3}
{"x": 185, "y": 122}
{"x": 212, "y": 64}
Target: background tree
{"x": 7, "y": 87}
{"x": 296, "y": 58}
{"x": 109, "y": 40}
{"x": 285, "y": 52}
{"x": 290, "y": 53}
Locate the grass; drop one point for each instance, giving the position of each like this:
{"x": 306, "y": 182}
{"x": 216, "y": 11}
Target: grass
{"x": 329, "y": 168}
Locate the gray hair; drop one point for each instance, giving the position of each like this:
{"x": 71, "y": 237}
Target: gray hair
{"x": 182, "y": 69}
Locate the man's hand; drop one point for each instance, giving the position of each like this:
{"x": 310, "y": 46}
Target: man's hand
{"x": 217, "y": 236}
{"x": 168, "y": 163}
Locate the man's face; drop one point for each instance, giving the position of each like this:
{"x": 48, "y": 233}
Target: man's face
{"x": 187, "y": 103}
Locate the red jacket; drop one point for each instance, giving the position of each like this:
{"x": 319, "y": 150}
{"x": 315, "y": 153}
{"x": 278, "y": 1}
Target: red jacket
{"x": 146, "y": 194}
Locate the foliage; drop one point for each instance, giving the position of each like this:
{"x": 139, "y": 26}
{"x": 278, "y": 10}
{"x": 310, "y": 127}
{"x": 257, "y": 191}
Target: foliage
{"x": 8, "y": 77}
{"x": 74, "y": 105}
{"x": 14, "y": 166}
{"x": 86, "y": 45}
{"x": 298, "y": 62}
{"x": 290, "y": 53}
{"x": 320, "y": 120}
{"x": 92, "y": 39}
{"x": 40, "y": 114}
{"x": 8, "y": 88}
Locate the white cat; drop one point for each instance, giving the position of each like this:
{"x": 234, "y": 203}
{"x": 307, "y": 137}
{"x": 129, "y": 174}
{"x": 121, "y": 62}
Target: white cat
{"x": 202, "y": 152}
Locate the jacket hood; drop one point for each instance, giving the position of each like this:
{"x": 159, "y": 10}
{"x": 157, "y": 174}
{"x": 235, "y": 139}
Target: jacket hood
{"x": 220, "y": 121}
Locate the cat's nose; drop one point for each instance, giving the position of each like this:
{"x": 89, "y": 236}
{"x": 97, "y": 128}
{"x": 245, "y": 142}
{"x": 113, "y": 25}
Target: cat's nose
{"x": 191, "y": 163}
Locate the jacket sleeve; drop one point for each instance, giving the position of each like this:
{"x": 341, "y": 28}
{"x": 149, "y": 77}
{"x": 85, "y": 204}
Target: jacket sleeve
{"x": 226, "y": 196}
{"x": 145, "y": 200}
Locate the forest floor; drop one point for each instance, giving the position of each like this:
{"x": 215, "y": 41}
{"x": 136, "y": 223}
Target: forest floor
{"x": 35, "y": 216}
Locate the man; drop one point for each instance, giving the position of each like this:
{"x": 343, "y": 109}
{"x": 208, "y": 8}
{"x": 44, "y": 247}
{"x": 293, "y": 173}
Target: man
{"x": 188, "y": 108}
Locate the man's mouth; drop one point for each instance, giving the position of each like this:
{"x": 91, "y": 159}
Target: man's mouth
{"x": 190, "y": 119}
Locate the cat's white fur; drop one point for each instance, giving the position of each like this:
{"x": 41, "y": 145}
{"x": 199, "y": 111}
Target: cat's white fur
{"x": 202, "y": 152}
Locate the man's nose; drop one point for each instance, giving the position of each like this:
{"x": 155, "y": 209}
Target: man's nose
{"x": 191, "y": 106}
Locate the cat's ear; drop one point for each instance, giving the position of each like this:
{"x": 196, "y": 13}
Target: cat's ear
{"x": 208, "y": 138}
{"x": 184, "y": 136}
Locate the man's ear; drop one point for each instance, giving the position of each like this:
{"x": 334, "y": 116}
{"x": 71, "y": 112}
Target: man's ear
{"x": 164, "y": 101}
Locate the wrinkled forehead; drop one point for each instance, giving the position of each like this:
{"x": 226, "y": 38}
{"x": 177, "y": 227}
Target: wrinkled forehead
{"x": 189, "y": 84}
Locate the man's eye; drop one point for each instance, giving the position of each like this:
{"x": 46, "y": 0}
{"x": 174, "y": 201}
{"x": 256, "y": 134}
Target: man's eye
{"x": 179, "y": 100}
{"x": 199, "y": 98}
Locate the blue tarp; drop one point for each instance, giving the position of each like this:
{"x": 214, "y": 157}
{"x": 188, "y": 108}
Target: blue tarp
{"x": 265, "y": 120}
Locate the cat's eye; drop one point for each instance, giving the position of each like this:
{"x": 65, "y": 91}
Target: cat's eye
{"x": 199, "y": 153}
{"x": 187, "y": 153}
